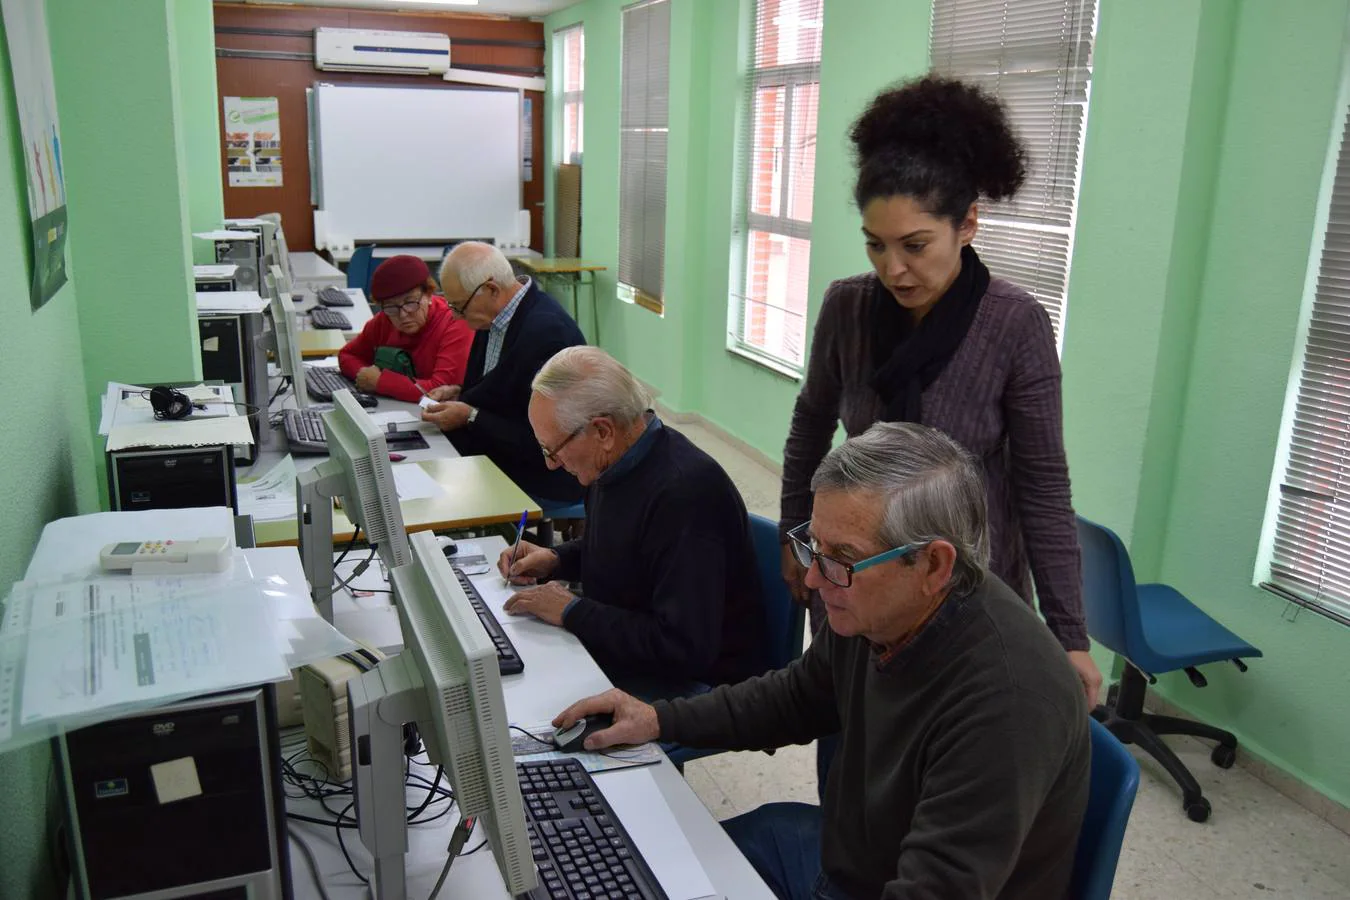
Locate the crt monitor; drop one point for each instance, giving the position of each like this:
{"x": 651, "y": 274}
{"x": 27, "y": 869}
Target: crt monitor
{"x": 357, "y": 472}
{"x": 447, "y": 681}
{"x": 285, "y": 344}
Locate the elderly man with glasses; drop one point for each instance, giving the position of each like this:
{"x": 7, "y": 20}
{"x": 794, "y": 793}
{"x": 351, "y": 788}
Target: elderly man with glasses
{"x": 964, "y": 754}
{"x": 670, "y": 597}
{"x": 413, "y": 344}
{"x": 518, "y": 328}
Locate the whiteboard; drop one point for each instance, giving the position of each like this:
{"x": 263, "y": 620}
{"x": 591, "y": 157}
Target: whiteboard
{"x": 398, "y": 164}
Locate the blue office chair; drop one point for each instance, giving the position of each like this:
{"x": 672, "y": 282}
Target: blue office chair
{"x": 1115, "y": 780}
{"x": 361, "y": 267}
{"x": 784, "y": 619}
{"x": 1154, "y": 629}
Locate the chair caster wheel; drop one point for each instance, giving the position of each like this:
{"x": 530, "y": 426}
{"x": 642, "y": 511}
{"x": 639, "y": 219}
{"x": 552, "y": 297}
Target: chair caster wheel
{"x": 1223, "y": 757}
{"x": 1198, "y": 810}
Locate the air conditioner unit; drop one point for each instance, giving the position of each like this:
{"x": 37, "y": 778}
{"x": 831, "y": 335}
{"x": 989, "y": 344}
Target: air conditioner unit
{"x": 393, "y": 52}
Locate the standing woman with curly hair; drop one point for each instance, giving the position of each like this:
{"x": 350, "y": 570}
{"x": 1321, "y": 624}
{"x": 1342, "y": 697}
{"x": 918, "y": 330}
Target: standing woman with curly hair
{"x": 929, "y": 336}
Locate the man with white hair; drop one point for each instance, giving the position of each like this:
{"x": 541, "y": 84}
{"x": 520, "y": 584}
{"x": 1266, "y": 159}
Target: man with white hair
{"x": 964, "y": 750}
{"x": 518, "y": 328}
{"x": 670, "y": 600}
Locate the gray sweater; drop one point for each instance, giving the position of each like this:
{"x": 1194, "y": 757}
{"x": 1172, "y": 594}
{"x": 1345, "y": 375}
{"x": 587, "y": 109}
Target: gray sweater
{"x": 962, "y": 768}
{"x": 999, "y": 397}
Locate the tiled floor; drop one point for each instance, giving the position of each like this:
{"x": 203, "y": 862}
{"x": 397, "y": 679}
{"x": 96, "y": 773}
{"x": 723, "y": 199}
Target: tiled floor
{"x": 1258, "y": 843}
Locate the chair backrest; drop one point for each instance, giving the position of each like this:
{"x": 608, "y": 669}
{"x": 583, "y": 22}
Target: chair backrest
{"x": 785, "y": 619}
{"x": 360, "y": 268}
{"x": 1115, "y": 779}
{"x": 1109, "y": 596}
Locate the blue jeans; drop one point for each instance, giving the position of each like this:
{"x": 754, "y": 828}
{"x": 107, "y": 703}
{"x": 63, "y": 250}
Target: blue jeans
{"x": 782, "y": 842}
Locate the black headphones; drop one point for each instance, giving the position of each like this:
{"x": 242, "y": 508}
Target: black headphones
{"x": 169, "y": 403}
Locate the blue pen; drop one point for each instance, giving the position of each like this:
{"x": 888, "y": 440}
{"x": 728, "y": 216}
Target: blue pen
{"x": 520, "y": 532}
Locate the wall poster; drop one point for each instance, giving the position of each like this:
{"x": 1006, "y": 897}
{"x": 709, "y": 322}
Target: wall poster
{"x": 30, "y": 61}
{"x": 253, "y": 141}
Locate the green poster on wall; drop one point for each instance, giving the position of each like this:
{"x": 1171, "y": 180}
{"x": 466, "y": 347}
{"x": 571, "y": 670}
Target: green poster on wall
{"x": 30, "y": 61}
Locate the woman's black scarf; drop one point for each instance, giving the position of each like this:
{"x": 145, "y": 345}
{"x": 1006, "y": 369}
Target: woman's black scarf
{"x": 910, "y": 357}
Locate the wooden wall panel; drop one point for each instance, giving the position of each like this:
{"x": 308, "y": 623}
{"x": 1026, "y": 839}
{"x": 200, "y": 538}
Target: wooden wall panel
{"x": 522, "y": 47}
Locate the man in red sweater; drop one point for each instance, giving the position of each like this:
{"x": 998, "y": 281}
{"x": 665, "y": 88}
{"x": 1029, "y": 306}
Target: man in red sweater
{"x": 412, "y": 318}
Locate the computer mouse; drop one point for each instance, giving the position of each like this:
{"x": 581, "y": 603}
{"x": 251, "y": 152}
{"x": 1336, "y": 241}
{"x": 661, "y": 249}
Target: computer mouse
{"x": 573, "y": 740}
{"x": 447, "y": 546}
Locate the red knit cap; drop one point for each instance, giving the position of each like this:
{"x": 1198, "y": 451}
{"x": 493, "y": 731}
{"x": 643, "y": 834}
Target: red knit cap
{"x": 397, "y": 275}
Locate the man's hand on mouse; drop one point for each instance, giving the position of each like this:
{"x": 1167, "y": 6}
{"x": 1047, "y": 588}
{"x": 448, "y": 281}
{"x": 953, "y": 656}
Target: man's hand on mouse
{"x": 547, "y": 602}
{"x": 634, "y": 721}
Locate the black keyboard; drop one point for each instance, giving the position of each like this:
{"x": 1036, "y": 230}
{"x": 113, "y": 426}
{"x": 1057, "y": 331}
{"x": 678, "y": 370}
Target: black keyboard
{"x": 321, "y": 382}
{"x": 323, "y": 317}
{"x": 508, "y": 660}
{"x": 333, "y": 296}
{"x": 304, "y": 430}
{"x": 579, "y": 845}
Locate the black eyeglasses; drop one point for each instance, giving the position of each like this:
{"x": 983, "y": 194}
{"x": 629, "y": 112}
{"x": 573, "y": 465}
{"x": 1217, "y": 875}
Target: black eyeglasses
{"x": 405, "y": 308}
{"x": 460, "y": 310}
{"x": 836, "y": 572}
{"x": 552, "y": 455}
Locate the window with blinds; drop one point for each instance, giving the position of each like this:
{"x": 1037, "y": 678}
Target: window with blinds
{"x": 643, "y": 135}
{"x": 1035, "y": 56}
{"x": 571, "y": 44}
{"x": 771, "y": 250}
{"x": 1311, "y": 553}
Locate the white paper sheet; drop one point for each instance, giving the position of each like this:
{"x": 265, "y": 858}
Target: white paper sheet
{"x": 394, "y": 417}
{"x": 328, "y": 362}
{"x": 215, "y": 270}
{"x": 193, "y": 432}
{"x": 413, "y": 483}
{"x": 495, "y": 592}
{"x": 104, "y": 643}
{"x": 230, "y": 302}
{"x": 637, "y": 802}
{"x": 271, "y": 495}
{"x": 223, "y": 234}
{"x": 426, "y": 401}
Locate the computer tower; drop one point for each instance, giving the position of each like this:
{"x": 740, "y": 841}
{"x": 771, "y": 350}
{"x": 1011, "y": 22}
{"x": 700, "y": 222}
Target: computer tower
{"x": 171, "y": 477}
{"x": 246, "y": 253}
{"x": 182, "y": 801}
{"x": 233, "y": 352}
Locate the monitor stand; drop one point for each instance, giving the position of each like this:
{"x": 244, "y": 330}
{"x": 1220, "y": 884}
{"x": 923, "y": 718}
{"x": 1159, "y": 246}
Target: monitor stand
{"x": 314, "y": 493}
{"x": 378, "y": 703}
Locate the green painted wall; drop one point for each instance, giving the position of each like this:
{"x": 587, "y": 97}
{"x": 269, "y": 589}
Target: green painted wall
{"x": 684, "y": 355}
{"x": 54, "y": 477}
{"x": 1207, "y": 140}
{"x": 1283, "y": 113}
{"x": 126, "y": 182}
{"x": 199, "y": 102}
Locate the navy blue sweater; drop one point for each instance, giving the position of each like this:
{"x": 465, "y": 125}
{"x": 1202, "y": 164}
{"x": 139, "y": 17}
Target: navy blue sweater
{"x": 669, "y": 582}
{"x": 539, "y": 328}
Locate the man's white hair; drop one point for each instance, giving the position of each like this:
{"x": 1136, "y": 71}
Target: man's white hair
{"x": 475, "y": 263}
{"x": 585, "y": 383}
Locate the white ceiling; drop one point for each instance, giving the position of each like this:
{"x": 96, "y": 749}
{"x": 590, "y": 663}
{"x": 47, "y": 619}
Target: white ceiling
{"x": 490, "y": 7}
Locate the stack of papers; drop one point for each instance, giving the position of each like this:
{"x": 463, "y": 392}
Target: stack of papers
{"x": 270, "y": 496}
{"x": 78, "y": 645}
{"x": 230, "y": 302}
{"x": 128, "y": 419}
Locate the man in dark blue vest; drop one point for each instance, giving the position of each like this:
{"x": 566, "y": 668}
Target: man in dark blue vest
{"x": 519, "y": 327}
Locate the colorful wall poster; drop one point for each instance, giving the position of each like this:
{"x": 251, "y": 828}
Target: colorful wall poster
{"x": 30, "y": 61}
{"x": 253, "y": 141}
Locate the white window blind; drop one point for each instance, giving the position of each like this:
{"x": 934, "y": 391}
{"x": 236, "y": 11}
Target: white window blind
{"x": 771, "y": 244}
{"x": 643, "y": 132}
{"x": 1311, "y": 558}
{"x": 571, "y": 44}
{"x": 1035, "y": 56}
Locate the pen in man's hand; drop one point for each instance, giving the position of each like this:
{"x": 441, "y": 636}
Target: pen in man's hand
{"x": 515, "y": 549}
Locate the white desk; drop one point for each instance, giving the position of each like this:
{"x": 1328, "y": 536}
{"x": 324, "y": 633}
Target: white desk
{"x": 476, "y": 491}
{"x": 358, "y": 314}
{"x": 558, "y": 670}
{"x": 311, "y": 269}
